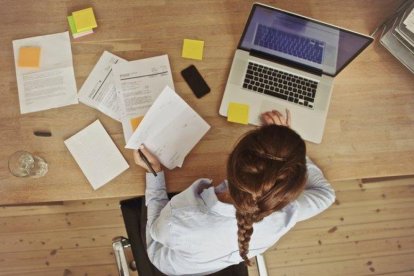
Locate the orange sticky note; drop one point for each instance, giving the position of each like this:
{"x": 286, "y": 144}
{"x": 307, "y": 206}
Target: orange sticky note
{"x": 29, "y": 57}
{"x": 193, "y": 49}
{"x": 135, "y": 122}
{"x": 238, "y": 113}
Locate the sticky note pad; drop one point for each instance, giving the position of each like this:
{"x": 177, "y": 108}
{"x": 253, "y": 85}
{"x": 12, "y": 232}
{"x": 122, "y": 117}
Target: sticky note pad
{"x": 238, "y": 113}
{"x": 84, "y": 20}
{"x": 135, "y": 122}
{"x": 72, "y": 25}
{"x": 74, "y": 31}
{"x": 29, "y": 57}
{"x": 193, "y": 49}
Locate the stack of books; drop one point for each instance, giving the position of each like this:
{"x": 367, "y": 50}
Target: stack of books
{"x": 82, "y": 22}
{"x": 398, "y": 34}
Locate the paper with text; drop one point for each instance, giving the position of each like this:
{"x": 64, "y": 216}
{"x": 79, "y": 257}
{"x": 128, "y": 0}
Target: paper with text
{"x": 96, "y": 154}
{"x": 51, "y": 85}
{"x": 170, "y": 129}
{"x": 98, "y": 91}
{"x": 138, "y": 83}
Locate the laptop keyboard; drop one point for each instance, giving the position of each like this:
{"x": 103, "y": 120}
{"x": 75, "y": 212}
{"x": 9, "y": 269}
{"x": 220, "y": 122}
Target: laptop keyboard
{"x": 291, "y": 44}
{"x": 280, "y": 84}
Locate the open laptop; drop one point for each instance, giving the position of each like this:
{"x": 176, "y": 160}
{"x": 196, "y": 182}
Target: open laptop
{"x": 285, "y": 60}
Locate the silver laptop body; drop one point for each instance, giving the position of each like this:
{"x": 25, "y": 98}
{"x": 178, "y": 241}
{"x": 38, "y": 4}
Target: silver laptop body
{"x": 287, "y": 61}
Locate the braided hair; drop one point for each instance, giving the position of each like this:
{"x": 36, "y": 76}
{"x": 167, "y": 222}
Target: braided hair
{"x": 266, "y": 171}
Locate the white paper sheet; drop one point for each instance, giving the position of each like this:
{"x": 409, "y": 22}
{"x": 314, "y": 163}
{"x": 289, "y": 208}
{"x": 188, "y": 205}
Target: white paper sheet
{"x": 170, "y": 129}
{"x": 98, "y": 91}
{"x": 138, "y": 84}
{"x": 53, "y": 84}
{"x": 409, "y": 21}
{"x": 96, "y": 154}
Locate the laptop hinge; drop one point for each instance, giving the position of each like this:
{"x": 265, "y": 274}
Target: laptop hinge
{"x": 286, "y": 62}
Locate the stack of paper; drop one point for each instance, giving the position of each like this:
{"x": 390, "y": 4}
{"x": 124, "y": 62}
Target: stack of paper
{"x": 138, "y": 83}
{"x": 398, "y": 35}
{"x": 170, "y": 129}
{"x": 82, "y": 22}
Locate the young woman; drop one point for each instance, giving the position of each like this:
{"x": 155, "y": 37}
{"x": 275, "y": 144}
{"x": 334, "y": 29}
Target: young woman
{"x": 271, "y": 185}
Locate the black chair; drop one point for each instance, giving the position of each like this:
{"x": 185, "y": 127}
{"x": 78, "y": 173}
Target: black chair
{"x": 134, "y": 213}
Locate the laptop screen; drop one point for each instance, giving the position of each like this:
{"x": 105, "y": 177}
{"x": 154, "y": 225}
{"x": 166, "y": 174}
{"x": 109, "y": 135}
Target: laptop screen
{"x": 301, "y": 40}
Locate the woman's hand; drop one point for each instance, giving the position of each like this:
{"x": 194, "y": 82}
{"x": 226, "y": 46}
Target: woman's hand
{"x": 274, "y": 117}
{"x": 155, "y": 163}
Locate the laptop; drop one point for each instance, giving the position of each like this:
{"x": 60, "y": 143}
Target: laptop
{"x": 288, "y": 61}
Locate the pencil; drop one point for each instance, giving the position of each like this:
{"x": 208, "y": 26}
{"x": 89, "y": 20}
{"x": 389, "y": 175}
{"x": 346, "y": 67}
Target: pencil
{"x": 143, "y": 157}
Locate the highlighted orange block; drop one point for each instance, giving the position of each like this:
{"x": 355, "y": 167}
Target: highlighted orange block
{"x": 135, "y": 122}
{"x": 29, "y": 57}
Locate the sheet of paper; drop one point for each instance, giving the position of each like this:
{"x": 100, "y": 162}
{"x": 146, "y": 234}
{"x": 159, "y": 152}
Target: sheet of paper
{"x": 170, "y": 129}
{"x": 96, "y": 154}
{"x": 98, "y": 91}
{"x": 193, "y": 49}
{"x": 51, "y": 85}
{"x": 238, "y": 113}
{"x": 409, "y": 21}
{"x": 138, "y": 83}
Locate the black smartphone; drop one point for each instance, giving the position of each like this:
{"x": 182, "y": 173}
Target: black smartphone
{"x": 196, "y": 82}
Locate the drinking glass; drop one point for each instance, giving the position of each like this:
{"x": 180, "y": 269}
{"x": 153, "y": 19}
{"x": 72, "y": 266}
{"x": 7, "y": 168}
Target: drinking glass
{"x": 25, "y": 164}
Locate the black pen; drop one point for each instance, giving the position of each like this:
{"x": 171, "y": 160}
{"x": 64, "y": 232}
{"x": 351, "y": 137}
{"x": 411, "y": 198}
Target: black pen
{"x": 143, "y": 157}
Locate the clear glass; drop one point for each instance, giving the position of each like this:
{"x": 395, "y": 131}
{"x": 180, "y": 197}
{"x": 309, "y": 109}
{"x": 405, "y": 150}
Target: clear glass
{"x": 25, "y": 164}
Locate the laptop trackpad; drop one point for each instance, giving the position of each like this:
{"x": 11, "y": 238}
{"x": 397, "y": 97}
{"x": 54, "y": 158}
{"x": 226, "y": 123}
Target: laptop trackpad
{"x": 269, "y": 106}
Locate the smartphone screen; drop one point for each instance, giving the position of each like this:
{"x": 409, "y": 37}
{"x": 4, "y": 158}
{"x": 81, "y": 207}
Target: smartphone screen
{"x": 195, "y": 81}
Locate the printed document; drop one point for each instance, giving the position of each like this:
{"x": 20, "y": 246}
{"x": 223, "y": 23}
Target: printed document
{"x": 138, "y": 84}
{"x": 53, "y": 83}
{"x": 98, "y": 91}
{"x": 170, "y": 129}
{"x": 96, "y": 154}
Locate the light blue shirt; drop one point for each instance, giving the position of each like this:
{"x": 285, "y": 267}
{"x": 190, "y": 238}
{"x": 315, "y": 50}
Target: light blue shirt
{"x": 196, "y": 234}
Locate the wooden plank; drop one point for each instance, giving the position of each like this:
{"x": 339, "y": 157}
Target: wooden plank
{"x": 401, "y": 264}
{"x": 371, "y": 184}
{"x": 64, "y": 207}
{"x": 70, "y": 270}
{"x": 41, "y": 259}
{"x": 346, "y": 233}
{"x": 337, "y": 216}
{"x": 342, "y": 251}
{"x": 58, "y": 240}
{"x": 62, "y": 221}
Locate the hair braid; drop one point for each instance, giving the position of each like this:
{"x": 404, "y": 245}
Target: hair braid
{"x": 266, "y": 171}
{"x": 245, "y": 230}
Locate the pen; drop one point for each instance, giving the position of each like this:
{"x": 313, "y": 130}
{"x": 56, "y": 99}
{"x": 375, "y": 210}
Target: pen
{"x": 146, "y": 162}
{"x": 42, "y": 133}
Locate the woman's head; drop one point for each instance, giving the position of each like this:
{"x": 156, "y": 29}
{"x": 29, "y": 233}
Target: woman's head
{"x": 266, "y": 171}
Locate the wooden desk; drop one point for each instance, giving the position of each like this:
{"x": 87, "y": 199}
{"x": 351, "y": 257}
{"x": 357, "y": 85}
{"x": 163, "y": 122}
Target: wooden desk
{"x": 369, "y": 132}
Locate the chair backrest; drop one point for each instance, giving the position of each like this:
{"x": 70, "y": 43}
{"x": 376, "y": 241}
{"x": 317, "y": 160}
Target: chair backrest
{"x": 134, "y": 213}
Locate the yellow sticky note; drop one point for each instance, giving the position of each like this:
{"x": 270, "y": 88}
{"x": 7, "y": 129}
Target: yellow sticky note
{"x": 193, "y": 49}
{"x": 84, "y": 19}
{"x": 238, "y": 113}
{"x": 29, "y": 57}
{"x": 135, "y": 122}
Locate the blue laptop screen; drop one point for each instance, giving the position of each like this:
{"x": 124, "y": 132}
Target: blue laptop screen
{"x": 301, "y": 40}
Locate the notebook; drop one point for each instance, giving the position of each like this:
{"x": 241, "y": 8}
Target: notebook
{"x": 96, "y": 154}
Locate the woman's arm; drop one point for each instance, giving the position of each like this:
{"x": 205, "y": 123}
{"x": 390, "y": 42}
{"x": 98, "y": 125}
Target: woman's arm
{"x": 318, "y": 194}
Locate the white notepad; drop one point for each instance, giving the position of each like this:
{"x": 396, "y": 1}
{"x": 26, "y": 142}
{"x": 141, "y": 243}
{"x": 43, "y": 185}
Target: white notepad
{"x": 96, "y": 154}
